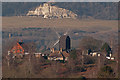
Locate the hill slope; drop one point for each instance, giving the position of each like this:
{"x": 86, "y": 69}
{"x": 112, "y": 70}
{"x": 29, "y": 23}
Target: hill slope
{"x": 95, "y": 10}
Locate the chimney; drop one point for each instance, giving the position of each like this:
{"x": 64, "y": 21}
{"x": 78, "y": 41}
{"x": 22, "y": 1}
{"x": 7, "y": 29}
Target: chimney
{"x": 21, "y": 40}
{"x": 9, "y": 35}
{"x": 60, "y": 49}
{"x": 52, "y": 50}
{"x": 59, "y": 52}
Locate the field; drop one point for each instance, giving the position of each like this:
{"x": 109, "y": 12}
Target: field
{"x": 21, "y": 22}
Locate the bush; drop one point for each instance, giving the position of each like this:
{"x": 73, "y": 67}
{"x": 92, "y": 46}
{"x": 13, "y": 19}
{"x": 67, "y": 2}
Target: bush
{"x": 73, "y": 54}
{"x": 79, "y": 69}
{"x": 107, "y": 69}
{"x": 82, "y": 77}
{"x": 89, "y": 60}
{"x": 106, "y": 48}
{"x": 106, "y": 72}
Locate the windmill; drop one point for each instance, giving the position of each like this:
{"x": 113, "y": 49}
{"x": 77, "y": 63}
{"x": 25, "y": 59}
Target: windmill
{"x": 59, "y": 36}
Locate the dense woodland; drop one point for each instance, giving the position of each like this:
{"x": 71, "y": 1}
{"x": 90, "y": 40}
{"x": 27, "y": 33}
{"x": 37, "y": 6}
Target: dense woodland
{"x": 102, "y": 10}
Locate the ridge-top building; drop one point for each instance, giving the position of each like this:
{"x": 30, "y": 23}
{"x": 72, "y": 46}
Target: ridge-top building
{"x": 64, "y": 43}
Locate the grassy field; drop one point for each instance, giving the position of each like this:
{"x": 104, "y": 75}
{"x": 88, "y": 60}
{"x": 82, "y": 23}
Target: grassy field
{"x": 21, "y": 22}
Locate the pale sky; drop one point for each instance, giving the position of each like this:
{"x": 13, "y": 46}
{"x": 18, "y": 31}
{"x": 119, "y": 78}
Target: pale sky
{"x": 60, "y": 0}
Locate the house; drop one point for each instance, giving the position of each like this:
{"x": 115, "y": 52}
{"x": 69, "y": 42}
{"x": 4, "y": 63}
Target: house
{"x": 44, "y": 54}
{"x": 58, "y": 55}
{"x": 19, "y": 49}
{"x": 55, "y": 56}
{"x": 112, "y": 58}
{"x": 26, "y": 53}
{"x": 108, "y": 57}
{"x": 66, "y": 55}
{"x": 37, "y": 55}
{"x": 95, "y": 53}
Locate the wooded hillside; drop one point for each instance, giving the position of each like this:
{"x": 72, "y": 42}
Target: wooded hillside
{"x": 97, "y": 10}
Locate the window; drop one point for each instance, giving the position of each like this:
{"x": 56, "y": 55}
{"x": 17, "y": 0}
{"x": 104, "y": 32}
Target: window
{"x": 13, "y": 50}
{"x": 20, "y": 50}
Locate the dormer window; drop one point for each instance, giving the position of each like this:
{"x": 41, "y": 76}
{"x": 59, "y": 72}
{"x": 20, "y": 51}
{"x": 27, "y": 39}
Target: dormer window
{"x": 20, "y": 50}
{"x": 13, "y": 50}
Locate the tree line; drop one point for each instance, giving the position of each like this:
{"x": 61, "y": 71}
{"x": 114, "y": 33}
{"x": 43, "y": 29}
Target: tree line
{"x": 95, "y": 10}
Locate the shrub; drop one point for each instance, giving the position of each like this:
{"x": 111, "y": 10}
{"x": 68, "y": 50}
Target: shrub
{"x": 79, "y": 69}
{"x": 82, "y": 77}
{"x": 106, "y": 48}
{"x": 106, "y": 72}
{"x": 89, "y": 60}
{"x": 73, "y": 54}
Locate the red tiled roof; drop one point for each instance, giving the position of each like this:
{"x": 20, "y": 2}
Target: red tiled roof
{"x": 18, "y": 47}
{"x": 65, "y": 54}
{"x": 59, "y": 54}
{"x": 56, "y": 54}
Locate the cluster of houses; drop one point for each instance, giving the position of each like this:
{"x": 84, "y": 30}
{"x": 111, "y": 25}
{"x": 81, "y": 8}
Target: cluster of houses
{"x": 99, "y": 54}
{"x": 20, "y": 49}
{"x": 58, "y": 55}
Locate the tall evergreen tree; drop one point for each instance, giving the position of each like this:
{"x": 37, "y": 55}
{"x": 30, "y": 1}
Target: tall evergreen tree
{"x": 106, "y": 48}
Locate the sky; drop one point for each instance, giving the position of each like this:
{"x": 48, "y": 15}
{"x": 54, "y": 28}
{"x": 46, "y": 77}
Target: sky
{"x": 59, "y": 0}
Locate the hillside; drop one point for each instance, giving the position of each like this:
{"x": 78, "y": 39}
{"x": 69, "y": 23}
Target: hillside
{"x": 83, "y": 10}
{"x": 99, "y": 29}
{"x": 48, "y": 11}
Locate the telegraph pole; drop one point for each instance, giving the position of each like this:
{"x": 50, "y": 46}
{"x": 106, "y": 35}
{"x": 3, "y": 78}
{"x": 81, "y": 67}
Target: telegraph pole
{"x": 82, "y": 58}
